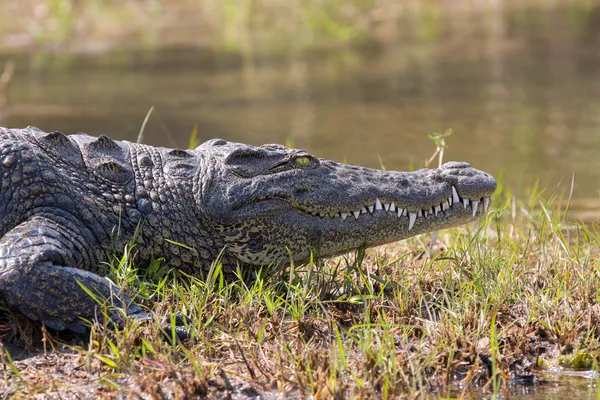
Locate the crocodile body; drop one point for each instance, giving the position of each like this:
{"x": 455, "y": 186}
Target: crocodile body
{"x": 66, "y": 202}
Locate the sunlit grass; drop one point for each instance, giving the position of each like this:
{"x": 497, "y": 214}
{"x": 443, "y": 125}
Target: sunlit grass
{"x": 512, "y": 294}
{"x": 222, "y": 23}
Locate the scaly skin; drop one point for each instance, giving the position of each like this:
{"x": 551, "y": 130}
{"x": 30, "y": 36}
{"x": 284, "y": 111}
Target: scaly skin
{"x": 67, "y": 202}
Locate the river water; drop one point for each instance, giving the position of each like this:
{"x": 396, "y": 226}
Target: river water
{"x": 519, "y": 87}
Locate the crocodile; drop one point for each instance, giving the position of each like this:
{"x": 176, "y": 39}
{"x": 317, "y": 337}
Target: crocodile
{"x": 68, "y": 201}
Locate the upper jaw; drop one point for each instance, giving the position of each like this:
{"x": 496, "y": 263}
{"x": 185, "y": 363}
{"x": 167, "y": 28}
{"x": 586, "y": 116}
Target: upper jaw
{"x": 425, "y": 193}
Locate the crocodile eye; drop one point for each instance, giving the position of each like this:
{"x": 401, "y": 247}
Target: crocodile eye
{"x": 302, "y": 161}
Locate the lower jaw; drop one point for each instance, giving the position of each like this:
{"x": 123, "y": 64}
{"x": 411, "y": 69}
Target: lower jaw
{"x": 388, "y": 230}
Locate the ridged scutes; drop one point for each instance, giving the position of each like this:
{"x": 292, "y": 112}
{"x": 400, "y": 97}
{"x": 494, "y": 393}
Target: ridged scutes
{"x": 106, "y": 158}
{"x": 112, "y": 170}
{"x": 180, "y": 162}
{"x": 61, "y": 146}
{"x": 58, "y": 138}
{"x": 104, "y": 144}
{"x": 180, "y": 168}
{"x": 180, "y": 153}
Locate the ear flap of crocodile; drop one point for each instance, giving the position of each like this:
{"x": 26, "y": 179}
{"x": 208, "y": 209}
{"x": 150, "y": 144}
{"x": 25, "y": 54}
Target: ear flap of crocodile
{"x": 60, "y": 144}
{"x": 242, "y": 155}
{"x": 249, "y": 161}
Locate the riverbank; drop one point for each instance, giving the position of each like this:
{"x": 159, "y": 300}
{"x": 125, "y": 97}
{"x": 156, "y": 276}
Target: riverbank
{"x": 487, "y": 308}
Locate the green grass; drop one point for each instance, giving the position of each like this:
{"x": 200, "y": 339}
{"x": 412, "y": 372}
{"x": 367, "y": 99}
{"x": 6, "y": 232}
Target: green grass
{"x": 226, "y": 24}
{"x": 512, "y": 294}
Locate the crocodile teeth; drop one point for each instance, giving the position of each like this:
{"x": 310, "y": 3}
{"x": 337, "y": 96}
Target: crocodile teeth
{"x": 455, "y": 196}
{"x": 412, "y": 217}
{"x": 475, "y": 203}
{"x": 391, "y": 207}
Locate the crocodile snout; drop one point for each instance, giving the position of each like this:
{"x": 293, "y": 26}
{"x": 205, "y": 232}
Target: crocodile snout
{"x": 468, "y": 181}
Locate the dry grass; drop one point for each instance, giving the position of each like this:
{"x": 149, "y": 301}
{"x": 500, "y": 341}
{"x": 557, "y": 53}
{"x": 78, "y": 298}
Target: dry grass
{"x": 474, "y": 307}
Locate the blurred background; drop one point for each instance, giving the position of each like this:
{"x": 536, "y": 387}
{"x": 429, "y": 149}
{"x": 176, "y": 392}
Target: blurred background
{"x": 358, "y": 81}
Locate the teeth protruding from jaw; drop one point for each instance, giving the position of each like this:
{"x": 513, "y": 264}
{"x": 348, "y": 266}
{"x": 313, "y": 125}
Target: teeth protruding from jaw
{"x": 474, "y": 204}
{"x": 436, "y": 210}
{"x": 455, "y": 197}
{"x": 486, "y": 203}
{"x": 412, "y": 217}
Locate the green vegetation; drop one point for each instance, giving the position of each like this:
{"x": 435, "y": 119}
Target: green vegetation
{"x": 479, "y": 305}
{"x": 224, "y": 23}
{"x": 243, "y": 24}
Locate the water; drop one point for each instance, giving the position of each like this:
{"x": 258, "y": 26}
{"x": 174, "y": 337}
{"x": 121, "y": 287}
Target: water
{"x": 551, "y": 384}
{"x": 518, "y": 86}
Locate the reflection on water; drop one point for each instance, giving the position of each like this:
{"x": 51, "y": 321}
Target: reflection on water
{"x": 551, "y": 385}
{"x": 520, "y": 87}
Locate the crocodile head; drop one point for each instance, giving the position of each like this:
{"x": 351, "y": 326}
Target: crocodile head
{"x": 272, "y": 203}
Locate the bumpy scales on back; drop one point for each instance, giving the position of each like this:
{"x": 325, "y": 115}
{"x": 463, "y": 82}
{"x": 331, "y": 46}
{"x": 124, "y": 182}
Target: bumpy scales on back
{"x": 67, "y": 202}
